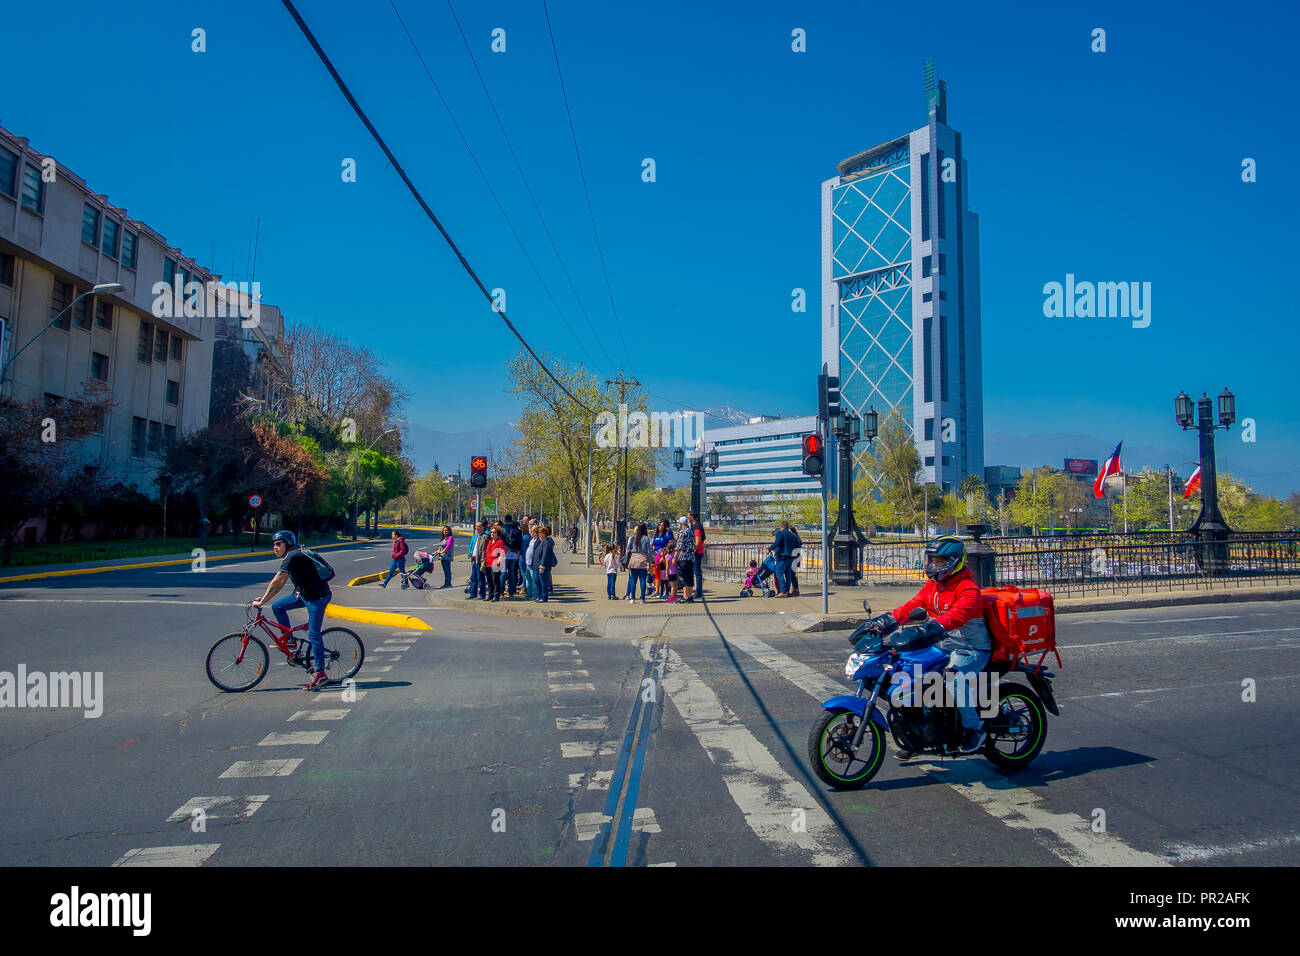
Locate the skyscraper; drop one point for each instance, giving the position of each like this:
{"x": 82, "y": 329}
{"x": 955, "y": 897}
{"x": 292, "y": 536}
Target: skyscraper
{"x": 900, "y": 291}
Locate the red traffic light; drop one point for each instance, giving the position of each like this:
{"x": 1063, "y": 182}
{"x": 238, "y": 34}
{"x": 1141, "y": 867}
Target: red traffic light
{"x": 478, "y": 463}
{"x": 813, "y": 447}
{"x": 812, "y": 444}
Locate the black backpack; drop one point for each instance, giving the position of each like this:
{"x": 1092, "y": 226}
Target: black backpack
{"x": 323, "y": 568}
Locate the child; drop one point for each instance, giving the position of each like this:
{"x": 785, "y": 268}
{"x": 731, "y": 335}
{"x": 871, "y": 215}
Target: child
{"x": 670, "y": 569}
{"x": 610, "y": 560}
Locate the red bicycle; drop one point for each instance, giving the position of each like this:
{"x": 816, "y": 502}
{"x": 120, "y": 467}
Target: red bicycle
{"x": 239, "y": 661}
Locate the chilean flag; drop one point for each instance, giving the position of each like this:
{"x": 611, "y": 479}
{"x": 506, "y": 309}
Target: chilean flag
{"x": 1111, "y": 468}
{"x": 1193, "y": 483}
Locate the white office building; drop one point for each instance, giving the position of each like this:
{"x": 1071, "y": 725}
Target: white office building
{"x": 759, "y": 463}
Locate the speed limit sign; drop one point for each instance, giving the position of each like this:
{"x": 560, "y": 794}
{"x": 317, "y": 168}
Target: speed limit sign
{"x": 255, "y": 501}
{"x": 473, "y": 503}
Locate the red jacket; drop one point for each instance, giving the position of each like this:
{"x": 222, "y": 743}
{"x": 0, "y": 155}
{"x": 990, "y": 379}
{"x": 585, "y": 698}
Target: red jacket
{"x": 494, "y": 555}
{"x": 952, "y": 602}
{"x": 399, "y": 548}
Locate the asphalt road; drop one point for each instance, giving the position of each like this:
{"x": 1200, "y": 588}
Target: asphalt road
{"x": 492, "y": 740}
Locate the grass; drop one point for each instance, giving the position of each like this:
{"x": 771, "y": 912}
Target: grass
{"x": 71, "y": 552}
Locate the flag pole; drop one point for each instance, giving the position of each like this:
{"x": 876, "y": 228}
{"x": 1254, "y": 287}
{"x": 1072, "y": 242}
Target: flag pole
{"x": 1124, "y": 484}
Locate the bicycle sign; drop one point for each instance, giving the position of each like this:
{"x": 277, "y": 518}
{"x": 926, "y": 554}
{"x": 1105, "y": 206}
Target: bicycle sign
{"x": 255, "y": 501}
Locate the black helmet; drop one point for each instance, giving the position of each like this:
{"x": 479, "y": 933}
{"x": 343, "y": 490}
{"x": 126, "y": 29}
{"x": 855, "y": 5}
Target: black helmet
{"x": 944, "y": 557}
{"x": 287, "y": 537}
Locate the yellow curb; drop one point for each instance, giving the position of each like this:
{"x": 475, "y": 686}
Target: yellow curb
{"x": 161, "y": 564}
{"x": 365, "y": 579}
{"x": 376, "y": 617}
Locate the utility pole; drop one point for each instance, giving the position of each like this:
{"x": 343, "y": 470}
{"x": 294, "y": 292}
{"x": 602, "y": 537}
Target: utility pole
{"x": 620, "y": 532}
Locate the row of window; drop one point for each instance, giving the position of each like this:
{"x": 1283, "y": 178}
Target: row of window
{"x": 33, "y": 188}
{"x": 62, "y": 293}
{"x": 757, "y": 438}
{"x": 159, "y": 343}
{"x": 107, "y": 233}
{"x": 150, "y": 437}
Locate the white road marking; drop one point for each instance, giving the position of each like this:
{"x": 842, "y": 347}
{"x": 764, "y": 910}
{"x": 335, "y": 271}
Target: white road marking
{"x": 560, "y": 688}
{"x": 1189, "y": 853}
{"x": 358, "y": 694}
{"x": 319, "y": 715}
{"x": 559, "y": 653}
{"x": 262, "y": 768}
{"x": 193, "y": 855}
{"x": 1066, "y": 835}
{"x": 600, "y": 780}
{"x": 801, "y": 675}
{"x": 764, "y": 792}
{"x": 209, "y": 805}
{"x": 661, "y": 864}
{"x": 293, "y": 738}
{"x": 413, "y": 634}
{"x": 554, "y": 674}
{"x": 557, "y": 644}
{"x": 581, "y": 723}
{"x": 1181, "y": 637}
{"x": 585, "y": 749}
{"x": 1162, "y": 690}
{"x": 378, "y": 670}
{"x": 588, "y": 824}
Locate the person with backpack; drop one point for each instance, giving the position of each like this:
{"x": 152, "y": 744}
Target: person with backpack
{"x": 514, "y": 540}
{"x": 309, "y": 573}
{"x": 543, "y": 560}
{"x": 399, "y": 557}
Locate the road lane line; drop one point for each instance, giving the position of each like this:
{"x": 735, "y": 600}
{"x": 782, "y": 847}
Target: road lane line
{"x": 764, "y": 792}
{"x": 581, "y": 723}
{"x": 561, "y": 688}
{"x": 1180, "y": 637}
{"x": 1163, "y": 690}
{"x": 293, "y": 738}
{"x": 378, "y": 670}
{"x": 261, "y": 768}
{"x": 195, "y": 854}
{"x": 1191, "y": 853}
{"x": 554, "y": 674}
{"x": 588, "y": 825}
{"x": 600, "y": 780}
{"x": 319, "y": 714}
{"x": 1068, "y": 836}
{"x": 588, "y": 749}
{"x": 210, "y": 805}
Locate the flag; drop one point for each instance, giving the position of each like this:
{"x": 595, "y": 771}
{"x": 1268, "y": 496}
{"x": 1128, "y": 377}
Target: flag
{"x": 1111, "y": 468}
{"x": 1193, "y": 483}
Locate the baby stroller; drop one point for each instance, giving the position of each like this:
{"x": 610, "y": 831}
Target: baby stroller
{"x": 757, "y": 577}
{"x": 423, "y": 565}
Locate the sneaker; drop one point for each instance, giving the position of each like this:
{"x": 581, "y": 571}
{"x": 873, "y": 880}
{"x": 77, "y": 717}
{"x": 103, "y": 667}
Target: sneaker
{"x": 904, "y": 754}
{"x": 319, "y": 680}
{"x": 671, "y": 600}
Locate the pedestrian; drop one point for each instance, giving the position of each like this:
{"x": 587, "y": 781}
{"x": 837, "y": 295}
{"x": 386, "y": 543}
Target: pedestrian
{"x": 514, "y": 540}
{"x": 609, "y": 558}
{"x": 782, "y": 548}
{"x": 494, "y": 560}
{"x": 663, "y": 535}
{"x": 685, "y": 552}
{"x": 670, "y": 569}
{"x": 639, "y": 550}
{"x": 399, "y": 557}
{"x": 534, "y": 533}
{"x": 697, "y": 527}
{"x": 445, "y": 554}
{"x": 477, "y": 544}
{"x": 543, "y": 560}
{"x": 796, "y": 553}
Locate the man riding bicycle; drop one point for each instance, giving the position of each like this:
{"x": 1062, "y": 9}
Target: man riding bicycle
{"x": 311, "y": 593}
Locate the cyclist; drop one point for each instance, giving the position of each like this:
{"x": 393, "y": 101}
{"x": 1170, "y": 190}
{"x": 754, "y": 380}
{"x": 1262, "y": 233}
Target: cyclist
{"x": 311, "y": 593}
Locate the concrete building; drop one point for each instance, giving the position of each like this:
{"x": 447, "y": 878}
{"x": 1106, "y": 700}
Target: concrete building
{"x": 1001, "y": 481}
{"x": 759, "y": 462}
{"x": 900, "y": 291}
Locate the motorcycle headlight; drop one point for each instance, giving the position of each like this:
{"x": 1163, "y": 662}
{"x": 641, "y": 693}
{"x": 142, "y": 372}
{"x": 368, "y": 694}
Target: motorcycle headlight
{"x": 853, "y": 663}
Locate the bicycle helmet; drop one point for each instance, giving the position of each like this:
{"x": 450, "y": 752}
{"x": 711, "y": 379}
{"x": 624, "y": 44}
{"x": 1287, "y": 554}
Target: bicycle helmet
{"x": 287, "y": 537}
{"x": 944, "y": 557}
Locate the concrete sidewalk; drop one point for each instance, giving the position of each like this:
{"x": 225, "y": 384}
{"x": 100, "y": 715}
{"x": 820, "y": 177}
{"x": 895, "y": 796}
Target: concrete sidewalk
{"x": 579, "y": 599}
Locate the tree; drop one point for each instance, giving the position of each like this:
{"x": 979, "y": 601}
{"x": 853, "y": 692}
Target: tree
{"x": 1039, "y": 497}
{"x": 897, "y": 465}
{"x": 719, "y": 507}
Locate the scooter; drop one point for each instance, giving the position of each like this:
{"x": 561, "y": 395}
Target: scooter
{"x": 847, "y": 745}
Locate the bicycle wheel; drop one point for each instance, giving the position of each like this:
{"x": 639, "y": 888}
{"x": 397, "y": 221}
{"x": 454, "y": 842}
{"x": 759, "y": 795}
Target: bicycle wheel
{"x": 234, "y": 667}
{"x": 344, "y": 653}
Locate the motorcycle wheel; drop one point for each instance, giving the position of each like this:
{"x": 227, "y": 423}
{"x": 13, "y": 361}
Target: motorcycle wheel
{"x": 1018, "y": 707}
{"x": 827, "y": 741}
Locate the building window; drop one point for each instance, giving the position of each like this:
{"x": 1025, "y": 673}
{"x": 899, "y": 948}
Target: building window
{"x": 173, "y": 392}
{"x": 169, "y": 436}
{"x": 160, "y": 346}
{"x": 6, "y": 268}
{"x": 81, "y": 313}
{"x": 926, "y": 341}
{"x": 939, "y": 211}
{"x": 99, "y": 366}
{"x": 947, "y": 460}
{"x": 129, "y": 241}
{"x": 169, "y": 270}
{"x": 142, "y": 350}
{"x": 111, "y": 230}
{"x": 137, "y": 437}
{"x": 8, "y": 170}
{"x": 155, "y": 437}
{"x": 89, "y": 223}
{"x": 60, "y": 296}
{"x": 33, "y": 189}
{"x": 176, "y": 347}
{"x": 104, "y": 314}
{"x": 925, "y": 199}
{"x": 927, "y": 296}
{"x": 929, "y": 429}
{"x": 943, "y": 357}
{"x": 943, "y": 264}
{"x": 929, "y": 461}
{"x": 925, "y": 265}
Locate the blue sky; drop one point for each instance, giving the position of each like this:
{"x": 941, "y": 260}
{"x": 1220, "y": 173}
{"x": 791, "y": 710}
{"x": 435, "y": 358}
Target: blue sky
{"x": 1123, "y": 165}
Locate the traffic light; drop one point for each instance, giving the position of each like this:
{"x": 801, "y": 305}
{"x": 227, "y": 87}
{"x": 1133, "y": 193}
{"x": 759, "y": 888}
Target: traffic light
{"x": 814, "y": 450}
{"x": 478, "y": 471}
{"x": 828, "y": 396}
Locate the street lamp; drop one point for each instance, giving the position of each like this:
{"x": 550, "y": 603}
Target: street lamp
{"x": 356, "y": 470}
{"x": 1209, "y": 526}
{"x": 104, "y": 288}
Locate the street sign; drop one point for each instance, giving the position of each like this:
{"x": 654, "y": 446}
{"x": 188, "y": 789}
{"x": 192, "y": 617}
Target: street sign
{"x": 255, "y": 501}
{"x": 489, "y": 506}
{"x": 473, "y": 503}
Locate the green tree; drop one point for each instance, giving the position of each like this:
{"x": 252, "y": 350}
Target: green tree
{"x": 896, "y": 464}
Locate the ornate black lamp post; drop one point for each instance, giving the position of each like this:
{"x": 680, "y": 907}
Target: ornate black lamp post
{"x": 846, "y": 538}
{"x": 1209, "y": 527}
{"x": 697, "y": 473}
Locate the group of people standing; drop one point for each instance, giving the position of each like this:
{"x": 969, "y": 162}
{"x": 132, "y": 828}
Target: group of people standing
{"x": 673, "y": 559}
{"x": 509, "y": 555}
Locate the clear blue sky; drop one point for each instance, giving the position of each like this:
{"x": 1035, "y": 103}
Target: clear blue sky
{"x": 1117, "y": 166}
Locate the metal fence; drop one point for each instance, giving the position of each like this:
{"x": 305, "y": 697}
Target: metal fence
{"x": 730, "y": 562}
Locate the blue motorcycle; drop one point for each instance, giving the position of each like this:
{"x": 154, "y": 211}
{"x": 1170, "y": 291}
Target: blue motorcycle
{"x": 847, "y": 745}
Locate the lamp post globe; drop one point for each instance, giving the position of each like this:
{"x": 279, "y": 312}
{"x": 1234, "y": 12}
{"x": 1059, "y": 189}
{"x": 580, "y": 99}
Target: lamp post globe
{"x": 1227, "y": 408}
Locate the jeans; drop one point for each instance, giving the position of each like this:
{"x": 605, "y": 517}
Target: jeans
{"x": 544, "y": 583}
{"x": 511, "y": 573}
{"x": 699, "y": 572}
{"x": 635, "y": 575}
{"x": 530, "y": 582}
{"x": 399, "y": 564}
{"x": 315, "y": 615}
{"x": 963, "y": 660}
{"x": 446, "y": 572}
{"x": 782, "y": 574}
{"x": 610, "y": 578}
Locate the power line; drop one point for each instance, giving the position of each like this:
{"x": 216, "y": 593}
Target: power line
{"x": 365, "y": 120}
{"x": 527, "y": 186}
{"x": 590, "y": 211}
{"x": 488, "y": 183}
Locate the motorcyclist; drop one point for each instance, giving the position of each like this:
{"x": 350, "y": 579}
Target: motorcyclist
{"x": 952, "y": 599}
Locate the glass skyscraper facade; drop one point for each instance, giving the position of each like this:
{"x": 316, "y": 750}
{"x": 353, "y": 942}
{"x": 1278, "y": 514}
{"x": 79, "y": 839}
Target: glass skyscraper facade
{"x": 900, "y": 292}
